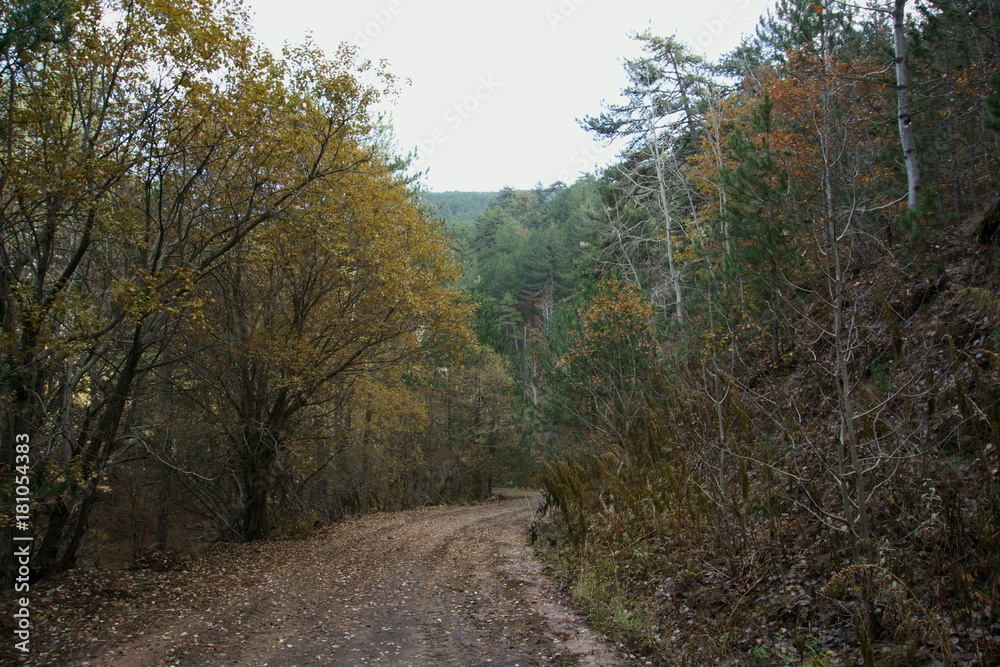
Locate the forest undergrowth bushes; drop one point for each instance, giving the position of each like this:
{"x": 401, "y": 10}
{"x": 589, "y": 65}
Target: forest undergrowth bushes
{"x": 798, "y": 463}
{"x": 692, "y": 552}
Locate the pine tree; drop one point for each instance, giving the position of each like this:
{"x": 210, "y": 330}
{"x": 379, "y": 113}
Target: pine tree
{"x": 762, "y": 239}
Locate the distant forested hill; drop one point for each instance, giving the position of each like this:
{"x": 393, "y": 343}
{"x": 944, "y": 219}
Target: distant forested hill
{"x": 460, "y": 207}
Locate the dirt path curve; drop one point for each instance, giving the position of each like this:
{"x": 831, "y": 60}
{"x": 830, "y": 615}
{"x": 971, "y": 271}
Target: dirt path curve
{"x": 436, "y": 586}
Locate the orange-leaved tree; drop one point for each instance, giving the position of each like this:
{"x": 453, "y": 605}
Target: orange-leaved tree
{"x": 352, "y": 284}
{"x": 142, "y": 144}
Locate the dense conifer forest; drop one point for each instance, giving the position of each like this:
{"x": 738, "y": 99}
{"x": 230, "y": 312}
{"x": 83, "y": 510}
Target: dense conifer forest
{"x": 459, "y": 208}
{"x": 753, "y": 363}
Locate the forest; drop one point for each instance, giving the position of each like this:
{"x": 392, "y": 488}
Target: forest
{"x": 758, "y": 355}
{"x": 753, "y": 364}
{"x": 226, "y": 314}
{"x": 458, "y": 208}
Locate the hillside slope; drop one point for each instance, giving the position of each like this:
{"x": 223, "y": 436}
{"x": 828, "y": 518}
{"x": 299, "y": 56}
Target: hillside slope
{"x": 772, "y": 577}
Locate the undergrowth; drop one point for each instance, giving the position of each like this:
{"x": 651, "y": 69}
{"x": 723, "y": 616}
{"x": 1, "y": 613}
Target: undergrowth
{"x": 721, "y": 530}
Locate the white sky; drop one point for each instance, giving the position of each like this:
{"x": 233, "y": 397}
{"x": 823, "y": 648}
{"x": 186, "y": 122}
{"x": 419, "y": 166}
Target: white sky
{"x": 496, "y": 87}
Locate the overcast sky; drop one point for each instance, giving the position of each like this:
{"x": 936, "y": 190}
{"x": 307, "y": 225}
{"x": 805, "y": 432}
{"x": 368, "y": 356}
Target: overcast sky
{"x": 496, "y": 87}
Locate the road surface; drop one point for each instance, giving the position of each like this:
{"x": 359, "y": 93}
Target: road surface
{"x": 436, "y": 586}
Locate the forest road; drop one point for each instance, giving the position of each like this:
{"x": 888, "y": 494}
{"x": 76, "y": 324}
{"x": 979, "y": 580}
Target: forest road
{"x": 435, "y": 586}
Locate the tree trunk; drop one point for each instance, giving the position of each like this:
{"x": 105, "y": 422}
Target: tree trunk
{"x": 321, "y": 489}
{"x": 162, "y": 529}
{"x": 675, "y": 274}
{"x": 773, "y": 304}
{"x": 256, "y": 522}
{"x": 903, "y": 104}
{"x": 48, "y": 552}
{"x": 848, "y": 430}
{"x": 847, "y": 442}
{"x": 163, "y": 483}
{"x": 100, "y": 445}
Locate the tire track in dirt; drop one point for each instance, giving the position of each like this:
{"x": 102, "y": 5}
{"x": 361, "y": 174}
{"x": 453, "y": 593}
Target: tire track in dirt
{"x": 436, "y": 586}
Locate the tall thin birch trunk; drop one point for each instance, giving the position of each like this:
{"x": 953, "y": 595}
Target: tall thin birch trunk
{"x": 903, "y": 104}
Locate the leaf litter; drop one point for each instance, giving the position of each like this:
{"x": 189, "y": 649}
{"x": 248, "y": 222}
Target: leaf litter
{"x": 439, "y": 585}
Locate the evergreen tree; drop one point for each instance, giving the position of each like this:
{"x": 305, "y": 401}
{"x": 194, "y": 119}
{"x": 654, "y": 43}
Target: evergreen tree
{"x": 762, "y": 238}
{"x": 801, "y": 23}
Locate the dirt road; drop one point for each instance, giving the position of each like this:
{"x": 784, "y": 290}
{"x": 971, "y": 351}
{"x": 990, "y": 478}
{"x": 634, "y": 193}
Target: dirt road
{"x": 437, "y": 586}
